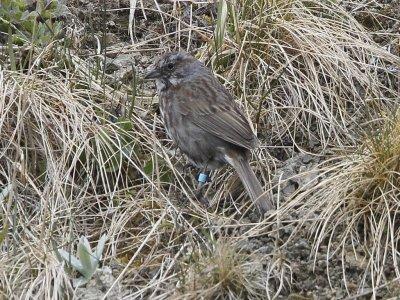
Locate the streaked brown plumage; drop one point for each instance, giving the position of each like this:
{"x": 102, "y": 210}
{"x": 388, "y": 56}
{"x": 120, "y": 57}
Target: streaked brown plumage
{"x": 204, "y": 121}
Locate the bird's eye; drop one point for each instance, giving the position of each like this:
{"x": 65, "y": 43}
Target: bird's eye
{"x": 170, "y": 66}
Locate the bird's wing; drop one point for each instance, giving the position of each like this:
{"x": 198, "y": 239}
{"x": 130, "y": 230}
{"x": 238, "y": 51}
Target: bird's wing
{"x": 221, "y": 117}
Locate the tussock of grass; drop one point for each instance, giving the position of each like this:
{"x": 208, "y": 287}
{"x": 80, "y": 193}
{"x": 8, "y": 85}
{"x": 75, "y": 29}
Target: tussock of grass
{"x": 225, "y": 271}
{"x": 357, "y": 204}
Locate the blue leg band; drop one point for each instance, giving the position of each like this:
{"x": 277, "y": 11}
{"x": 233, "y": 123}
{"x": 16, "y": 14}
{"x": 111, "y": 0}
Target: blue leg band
{"x": 202, "y": 178}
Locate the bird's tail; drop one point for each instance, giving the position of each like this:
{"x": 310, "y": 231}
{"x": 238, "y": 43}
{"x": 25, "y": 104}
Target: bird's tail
{"x": 251, "y": 183}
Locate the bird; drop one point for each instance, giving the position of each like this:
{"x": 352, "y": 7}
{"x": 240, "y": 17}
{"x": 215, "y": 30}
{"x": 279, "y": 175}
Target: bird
{"x": 203, "y": 120}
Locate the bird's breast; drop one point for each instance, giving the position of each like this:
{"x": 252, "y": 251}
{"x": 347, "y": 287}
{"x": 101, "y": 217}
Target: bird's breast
{"x": 168, "y": 113}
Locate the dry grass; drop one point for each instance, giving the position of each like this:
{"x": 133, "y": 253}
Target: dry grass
{"x": 78, "y": 158}
{"x": 316, "y": 69}
{"x": 73, "y": 170}
{"x": 225, "y": 271}
{"x": 306, "y": 70}
{"x": 357, "y": 204}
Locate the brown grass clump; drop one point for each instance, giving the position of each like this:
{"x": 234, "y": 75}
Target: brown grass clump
{"x": 357, "y": 204}
{"x": 225, "y": 271}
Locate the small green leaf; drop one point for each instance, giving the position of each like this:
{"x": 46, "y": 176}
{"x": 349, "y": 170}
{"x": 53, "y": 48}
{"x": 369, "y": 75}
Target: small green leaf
{"x": 71, "y": 260}
{"x": 85, "y": 242}
{"x": 148, "y": 167}
{"x": 24, "y": 16}
{"x": 51, "y": 5}
{"x": 124, "y": 124}
{"x": 100, "y": 247}
{"x": 11, "y": 50}
{"x": 3, "y": 232}
{"x": 222, "y": 17}
{"x": 89, "y": 263}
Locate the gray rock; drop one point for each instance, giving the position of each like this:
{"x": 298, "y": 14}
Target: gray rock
{"x": 120, "y": 67}
{"x": 99, "y": 285}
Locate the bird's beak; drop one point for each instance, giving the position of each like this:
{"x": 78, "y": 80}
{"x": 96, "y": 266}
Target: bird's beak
{"x": 153, "y": 73}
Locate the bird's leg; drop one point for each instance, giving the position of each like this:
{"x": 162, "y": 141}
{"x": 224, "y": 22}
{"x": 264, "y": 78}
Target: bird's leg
{"x": 187, "y": 167}
{"x": 203, "y": 177}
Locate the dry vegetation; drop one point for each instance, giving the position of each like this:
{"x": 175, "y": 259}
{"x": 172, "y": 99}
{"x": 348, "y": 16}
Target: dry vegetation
{"x": 83, "y": 152}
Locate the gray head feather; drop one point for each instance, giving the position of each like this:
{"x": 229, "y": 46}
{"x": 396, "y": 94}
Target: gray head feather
{"x": 173, "y": 68}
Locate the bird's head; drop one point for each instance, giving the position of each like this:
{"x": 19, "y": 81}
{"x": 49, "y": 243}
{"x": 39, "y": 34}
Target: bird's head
{"x": 173, "y": 68}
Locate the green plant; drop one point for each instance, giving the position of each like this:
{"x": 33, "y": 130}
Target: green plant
{"x": 28, "y": 23}
{"x": 87, "y": 261}
{"x": 221, "y": 24}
